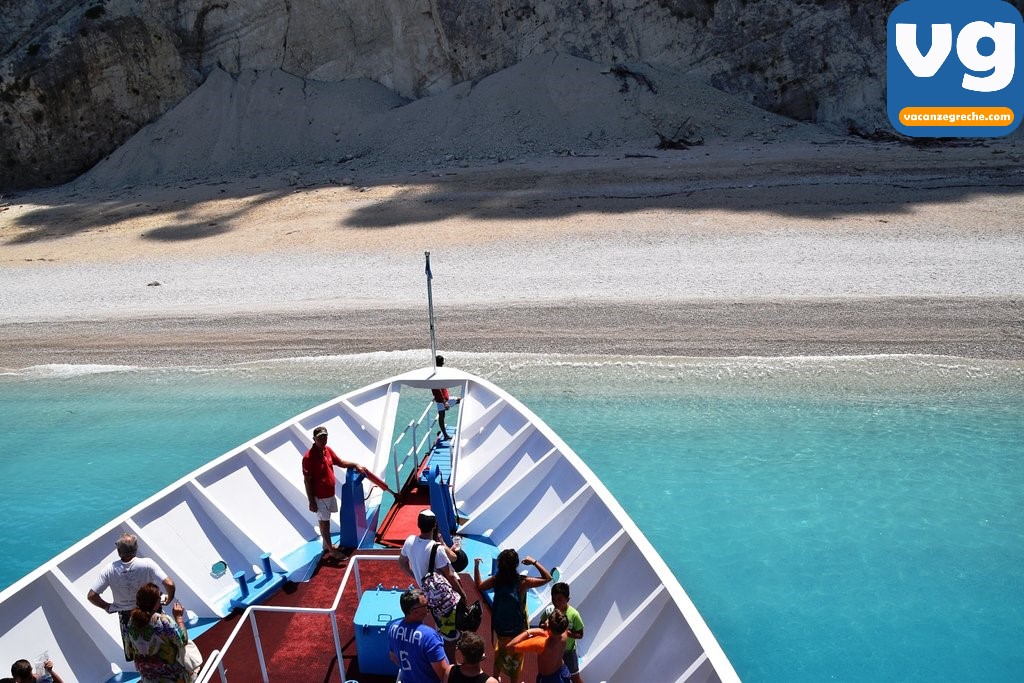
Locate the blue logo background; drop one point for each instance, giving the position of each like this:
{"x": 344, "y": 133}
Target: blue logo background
{"x": 945, "y": 88}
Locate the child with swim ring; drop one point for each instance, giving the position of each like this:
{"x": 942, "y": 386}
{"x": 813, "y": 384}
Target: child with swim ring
{"x": 560, "y": 600}
{"x": 549, "y": 645}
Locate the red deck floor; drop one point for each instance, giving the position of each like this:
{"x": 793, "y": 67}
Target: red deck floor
{"x": 300, "y": 647}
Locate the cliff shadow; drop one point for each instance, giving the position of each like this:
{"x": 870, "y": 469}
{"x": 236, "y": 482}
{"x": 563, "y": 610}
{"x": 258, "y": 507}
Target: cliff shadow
{"x": 813, "y": 181}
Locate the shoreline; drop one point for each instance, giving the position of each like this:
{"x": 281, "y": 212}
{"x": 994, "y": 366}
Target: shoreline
{"x": 727, "y": 250}
{"x": 969, "y": 327}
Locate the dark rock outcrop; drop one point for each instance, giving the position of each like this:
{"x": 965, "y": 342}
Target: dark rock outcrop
{"x": 77, "y": 79}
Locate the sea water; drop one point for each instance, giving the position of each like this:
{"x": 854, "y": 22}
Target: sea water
{"x": 844, "y": 519}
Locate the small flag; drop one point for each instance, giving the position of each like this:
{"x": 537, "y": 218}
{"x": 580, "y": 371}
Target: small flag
{"x": 430, "y": 276}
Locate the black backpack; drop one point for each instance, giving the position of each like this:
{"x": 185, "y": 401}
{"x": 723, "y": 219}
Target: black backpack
{"x": 468, "y": 618}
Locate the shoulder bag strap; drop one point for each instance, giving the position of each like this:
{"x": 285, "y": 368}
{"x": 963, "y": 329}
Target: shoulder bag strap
{"x": 433, "y": 556}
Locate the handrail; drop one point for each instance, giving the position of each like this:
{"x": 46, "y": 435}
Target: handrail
{"x": 425, "y": 441}
{"x": 414, "y": 448}
{"x": 456, "y": 451}
{"x": 215, "y": 662}
{"x": 394, "y": 452}
{"x": 426, "y": 435}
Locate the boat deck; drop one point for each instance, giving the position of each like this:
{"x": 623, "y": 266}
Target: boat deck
{"x": 513, "y": 483}
{"x": 304, "y": 642}
{"x": 400, "y": 522}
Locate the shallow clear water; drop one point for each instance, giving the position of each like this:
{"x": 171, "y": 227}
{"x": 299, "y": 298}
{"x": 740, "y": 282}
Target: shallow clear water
{"x": 833, "y": 519}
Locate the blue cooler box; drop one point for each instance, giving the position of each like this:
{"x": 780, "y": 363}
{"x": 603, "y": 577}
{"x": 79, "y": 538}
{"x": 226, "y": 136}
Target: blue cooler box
{"x": 376, "y": 609}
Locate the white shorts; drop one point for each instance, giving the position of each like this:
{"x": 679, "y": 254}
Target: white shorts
{"x": 452, "y": 401}
{"x": 326, "y": 506}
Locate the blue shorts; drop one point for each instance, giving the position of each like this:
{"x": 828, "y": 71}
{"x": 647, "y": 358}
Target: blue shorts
{"x": 560, "y": 676}
{"x": 572, "y": 661}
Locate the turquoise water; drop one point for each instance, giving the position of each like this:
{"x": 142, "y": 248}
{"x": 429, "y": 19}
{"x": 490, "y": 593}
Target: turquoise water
{"x": 840, "y": 519}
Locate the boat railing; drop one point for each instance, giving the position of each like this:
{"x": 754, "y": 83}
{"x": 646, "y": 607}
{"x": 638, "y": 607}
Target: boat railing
{"x": 415, "y": 448}
{"x": 400, "y": 465}
{"x": 455, "y": 453}
{"x": 215, "y": 662}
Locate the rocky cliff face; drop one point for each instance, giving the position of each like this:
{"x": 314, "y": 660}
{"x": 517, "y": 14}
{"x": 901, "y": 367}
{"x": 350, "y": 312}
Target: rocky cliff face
{"x": 77, "y": 79}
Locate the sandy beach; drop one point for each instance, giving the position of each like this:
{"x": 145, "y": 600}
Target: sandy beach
{"x": 732, "y": 248}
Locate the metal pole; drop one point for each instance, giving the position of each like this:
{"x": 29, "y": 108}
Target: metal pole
{"x": 337, "y": 647}
{"x": 259, "y": 646}
{"x": 415, "y": 448}
{"x": 430, "y": 307}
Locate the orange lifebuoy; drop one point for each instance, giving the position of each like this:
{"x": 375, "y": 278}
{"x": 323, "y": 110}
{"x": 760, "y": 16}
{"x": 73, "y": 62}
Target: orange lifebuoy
{"x": 531, "y": 644}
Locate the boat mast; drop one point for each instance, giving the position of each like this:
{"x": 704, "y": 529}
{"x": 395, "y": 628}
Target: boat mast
{"x": 430, "y": 308}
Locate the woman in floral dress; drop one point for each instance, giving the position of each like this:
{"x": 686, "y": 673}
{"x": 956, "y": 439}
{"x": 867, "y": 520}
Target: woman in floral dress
{"x": 158, "y": 638}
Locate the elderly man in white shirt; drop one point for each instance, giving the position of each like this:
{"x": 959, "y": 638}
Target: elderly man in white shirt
{"x": 125, "y": 576}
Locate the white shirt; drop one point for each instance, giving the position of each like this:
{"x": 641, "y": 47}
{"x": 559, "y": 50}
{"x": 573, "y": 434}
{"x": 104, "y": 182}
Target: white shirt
{"x": 126, "y": 578}
{"x": 417, "y": 551}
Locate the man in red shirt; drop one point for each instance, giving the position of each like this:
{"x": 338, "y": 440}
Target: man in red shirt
{"x": 318, "y": 474}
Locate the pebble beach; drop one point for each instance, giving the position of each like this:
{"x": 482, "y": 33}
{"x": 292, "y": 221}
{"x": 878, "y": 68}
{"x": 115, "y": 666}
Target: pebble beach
{"x": 728, "y": 249}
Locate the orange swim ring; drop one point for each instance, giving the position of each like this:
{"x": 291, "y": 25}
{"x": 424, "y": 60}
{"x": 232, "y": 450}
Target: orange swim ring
{"x": 531, "y": 644}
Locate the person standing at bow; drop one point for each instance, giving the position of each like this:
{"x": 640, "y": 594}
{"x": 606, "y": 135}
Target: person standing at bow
{"x": 125, "y": 576}
{"x": 318, "y": 475}
{"x": 443, "y": 401}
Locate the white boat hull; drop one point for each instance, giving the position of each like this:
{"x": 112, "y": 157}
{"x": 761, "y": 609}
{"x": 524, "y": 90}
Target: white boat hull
{"x": 514, "y": 481}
